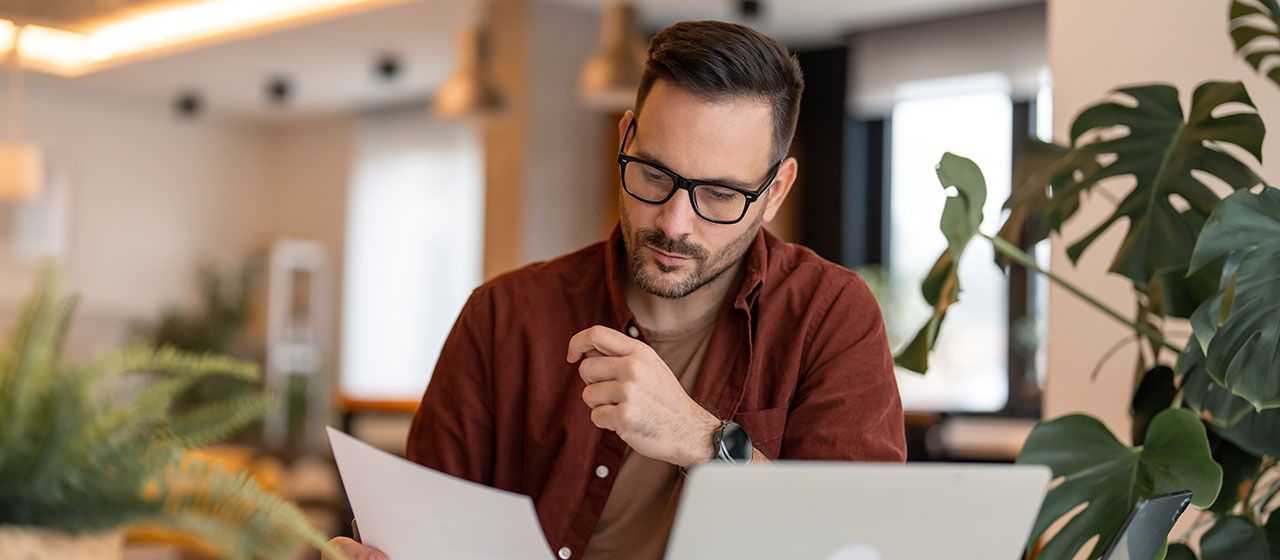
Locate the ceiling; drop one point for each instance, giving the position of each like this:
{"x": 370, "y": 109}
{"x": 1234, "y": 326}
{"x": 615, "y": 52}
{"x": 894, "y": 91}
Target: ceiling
{"x": 808, "y": 22}
{"x": 330, "y": 62}
{"x": 74, "y": 15}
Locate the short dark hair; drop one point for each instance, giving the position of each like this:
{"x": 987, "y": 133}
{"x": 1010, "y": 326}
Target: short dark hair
{"x": 721, "y": 61}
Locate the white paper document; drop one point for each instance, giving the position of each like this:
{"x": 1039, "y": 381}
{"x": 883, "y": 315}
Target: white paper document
{"x": 410, "y": 512}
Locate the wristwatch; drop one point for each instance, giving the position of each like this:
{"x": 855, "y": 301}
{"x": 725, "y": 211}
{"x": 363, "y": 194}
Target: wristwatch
{"x": 732, "y": 444}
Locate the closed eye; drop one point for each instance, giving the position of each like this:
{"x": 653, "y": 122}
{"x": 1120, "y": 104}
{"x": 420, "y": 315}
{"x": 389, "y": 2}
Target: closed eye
{"x": 720, "y": 193}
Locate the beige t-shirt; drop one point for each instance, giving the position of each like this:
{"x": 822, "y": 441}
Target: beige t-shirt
{"x": 642, "y": 505}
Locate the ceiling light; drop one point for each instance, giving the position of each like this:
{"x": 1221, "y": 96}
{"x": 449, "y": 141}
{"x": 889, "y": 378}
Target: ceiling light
{"x": 611, "y": 76}
{"x": 21, "y": 163}
{"x": 469, "y": 90}
{"x": 71, "y": 54}
{"x": 21, "y": 171}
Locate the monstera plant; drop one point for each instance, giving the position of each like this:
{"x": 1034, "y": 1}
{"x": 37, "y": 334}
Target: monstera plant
{"x": 1201, "y": 243}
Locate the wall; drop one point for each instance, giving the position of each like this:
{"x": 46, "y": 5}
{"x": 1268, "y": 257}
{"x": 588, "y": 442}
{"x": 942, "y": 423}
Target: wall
{"x": 152, "y": 198}
{"x": 308, "y": 171}
{"x": 1095, "y": 46}
{"x": 544, "y": 190}
{"x": 564, "y": 189}
{"x": 1010, "y": 42}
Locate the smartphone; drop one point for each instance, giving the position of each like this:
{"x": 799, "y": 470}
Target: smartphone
{"x": 1147, "y": 527}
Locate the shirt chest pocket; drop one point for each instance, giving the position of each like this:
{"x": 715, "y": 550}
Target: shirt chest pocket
{"x": 765, "y": 428}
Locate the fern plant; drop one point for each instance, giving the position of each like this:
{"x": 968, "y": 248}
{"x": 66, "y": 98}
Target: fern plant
{"x": 97, "y": 446}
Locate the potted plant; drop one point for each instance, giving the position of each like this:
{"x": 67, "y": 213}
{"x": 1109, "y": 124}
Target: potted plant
{"x": 1206, "y": 414}
{"x": 89, "y": 449}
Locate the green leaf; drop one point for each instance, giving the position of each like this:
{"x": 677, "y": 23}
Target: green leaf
{"x": 1239, "y": 328}
{"x": 1255, "y": 27}
{"x": 1215, "y": 404}
{"x": 1180, "y": 552}
{"x": 1272, "y": 531}
{"x": 962, "y": 213}
{"x": 1155, "y": 394}
{"x": 211, "y": 422}
{"x": 961, "y": 216}
{"x": 1108, "y": 478}
{"x": 81, "y": 453}
{"x": 941, "y": 288}
{"x": 1230, "y": 417}
{"x": 1237, "y": 538}
{"x": 1029, "y": 204}
{"x": 245, "y": 518}
{"x": 1255, "y": 433}
{"x": 1238, "y": 466}
{"x": 1159, "y": 150}
{"x": 1172, "y": 292}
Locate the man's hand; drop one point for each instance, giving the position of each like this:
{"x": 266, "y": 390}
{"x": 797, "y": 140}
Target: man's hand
{"x": 632, "y": 392}
{"x": 351, "y": 550}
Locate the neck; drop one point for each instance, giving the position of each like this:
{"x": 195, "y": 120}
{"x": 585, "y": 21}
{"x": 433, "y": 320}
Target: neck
{"x": 662, "y": 314}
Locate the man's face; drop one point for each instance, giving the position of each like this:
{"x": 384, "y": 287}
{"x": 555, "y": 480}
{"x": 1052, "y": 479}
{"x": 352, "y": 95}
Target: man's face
{"x": 673, "y": 251}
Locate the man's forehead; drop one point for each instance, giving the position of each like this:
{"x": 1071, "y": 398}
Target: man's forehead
{"x": 669, "y": 103}
{"x": 682, "y": 130}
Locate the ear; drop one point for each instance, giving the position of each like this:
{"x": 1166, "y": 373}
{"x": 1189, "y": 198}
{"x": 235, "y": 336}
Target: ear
{"x": 781, "y": 187}
{"x": 623, "y": 123}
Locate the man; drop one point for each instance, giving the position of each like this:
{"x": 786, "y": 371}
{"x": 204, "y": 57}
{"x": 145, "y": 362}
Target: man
{"x": 592, "y": 381}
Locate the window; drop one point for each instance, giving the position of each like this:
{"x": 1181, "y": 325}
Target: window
{"x": 414, "y": 249}
{"x": 972, "y": 117}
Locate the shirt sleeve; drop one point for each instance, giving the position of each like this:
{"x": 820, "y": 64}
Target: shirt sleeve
{"x": 846, "y": 405}
{"x": 453, "y": 430}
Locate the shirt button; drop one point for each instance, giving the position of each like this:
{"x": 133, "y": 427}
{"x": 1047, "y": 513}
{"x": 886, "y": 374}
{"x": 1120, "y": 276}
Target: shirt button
{"x": 564, "y": 553}
{"x": 633, "y": 331}
{"x": 602, "y": 471}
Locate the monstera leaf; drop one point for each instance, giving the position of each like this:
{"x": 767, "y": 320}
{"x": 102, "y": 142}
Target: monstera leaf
{"x": 1255, "y": 26}
{"x": 1108, "y": 477}
{"x": 1230, "y": 417}
{"x": 1239, "y": 467}
{"x": 1179, "y": 552}
{"x": 1237, "y": 538}
{"x": 1155, "y": 394}
{"x": 1215, "y": 403}
{"x": 1255, "y": 433}
{"x": 1031, "y": 215}
{"x": 1234, "y": 427}
{"x": 1159, "y": 150}
{"x": 961, "y": 215}
{"x": 1239, "y": 328}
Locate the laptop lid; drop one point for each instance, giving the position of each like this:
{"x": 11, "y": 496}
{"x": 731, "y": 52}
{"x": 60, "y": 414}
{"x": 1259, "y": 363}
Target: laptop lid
{"x": 857, "y": 511}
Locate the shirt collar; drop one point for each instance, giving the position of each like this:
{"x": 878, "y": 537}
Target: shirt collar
{"x": 751, "y": 278}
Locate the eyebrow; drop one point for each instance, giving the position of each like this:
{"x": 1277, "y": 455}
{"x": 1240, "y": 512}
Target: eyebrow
{"x": 743, "y": 185}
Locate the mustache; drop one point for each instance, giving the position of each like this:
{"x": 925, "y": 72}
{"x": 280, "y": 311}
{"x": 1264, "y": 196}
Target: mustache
{"x": 668, "y": 245}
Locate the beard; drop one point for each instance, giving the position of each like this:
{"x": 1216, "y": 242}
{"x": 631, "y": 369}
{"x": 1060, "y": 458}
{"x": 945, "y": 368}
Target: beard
{"x": 665, "y": 281}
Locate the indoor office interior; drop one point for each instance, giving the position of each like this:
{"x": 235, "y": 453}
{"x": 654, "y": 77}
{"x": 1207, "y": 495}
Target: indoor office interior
{"x": 310, "y": 190}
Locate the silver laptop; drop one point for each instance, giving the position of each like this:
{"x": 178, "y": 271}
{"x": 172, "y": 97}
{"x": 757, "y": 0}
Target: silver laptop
{"x": 857, "y": 511}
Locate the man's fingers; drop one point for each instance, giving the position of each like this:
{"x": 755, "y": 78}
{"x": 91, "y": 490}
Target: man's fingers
{"x": 604, "y": 368}
{"x": 351, "y": 550}
{"x": 605, "y": 417}
{"x": 604, "y": 393}
{"x": 602, "y": 339}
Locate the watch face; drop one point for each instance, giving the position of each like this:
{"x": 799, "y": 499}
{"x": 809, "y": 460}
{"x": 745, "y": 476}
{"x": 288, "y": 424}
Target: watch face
{"x": 734, "y": 443}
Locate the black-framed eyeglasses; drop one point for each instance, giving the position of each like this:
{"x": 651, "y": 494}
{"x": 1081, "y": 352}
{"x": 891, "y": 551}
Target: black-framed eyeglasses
{"x": 714, "y": 202}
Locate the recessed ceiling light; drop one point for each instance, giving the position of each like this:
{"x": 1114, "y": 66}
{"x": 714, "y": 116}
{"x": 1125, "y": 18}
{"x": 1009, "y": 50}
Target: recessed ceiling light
{"x": 71, "y": 54}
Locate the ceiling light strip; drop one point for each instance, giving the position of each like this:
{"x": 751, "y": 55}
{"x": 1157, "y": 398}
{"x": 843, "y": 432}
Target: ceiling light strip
{"x": 70, "y": 53}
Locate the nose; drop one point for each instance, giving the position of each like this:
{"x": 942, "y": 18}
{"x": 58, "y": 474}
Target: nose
{"x": 676, "y": 216}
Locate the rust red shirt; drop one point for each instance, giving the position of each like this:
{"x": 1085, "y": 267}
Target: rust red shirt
{"x": 798, "y": 357}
